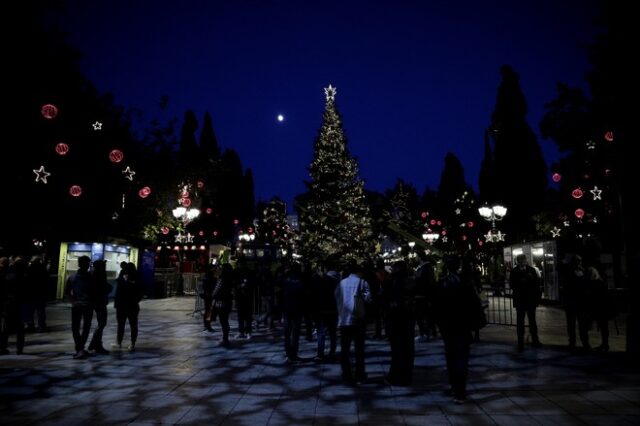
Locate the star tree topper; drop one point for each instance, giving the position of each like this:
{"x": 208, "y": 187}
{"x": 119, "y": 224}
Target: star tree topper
{"x": 41, "y": 174}
{"x": 330, "y": 93}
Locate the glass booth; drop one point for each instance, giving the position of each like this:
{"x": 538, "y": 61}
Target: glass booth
{"x": 114, "y": 254}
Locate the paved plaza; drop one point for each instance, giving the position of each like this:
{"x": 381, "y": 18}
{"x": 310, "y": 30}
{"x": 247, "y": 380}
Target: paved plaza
{"x": 179, "y": 375}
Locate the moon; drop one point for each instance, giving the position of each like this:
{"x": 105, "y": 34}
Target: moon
{"x": 280, "y": 117}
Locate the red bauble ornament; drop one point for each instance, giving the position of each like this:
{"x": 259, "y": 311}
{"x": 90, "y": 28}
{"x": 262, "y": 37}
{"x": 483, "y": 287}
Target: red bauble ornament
{"x": 423, "y": 215}
{"x": 75, "y": 191}
{"x": 470, "y": 224}
{"x": 608, "y": 136}
{"x": 164, "y": 230}
{"x": 464, "y": 238}
{"x": 209, "y": 210}
{"x": 432, "y": 222}
{"x": 215, "y": 233}
{"x": 236, "y": 221}
{"x": 201, "y": 233}
{"x": 62, "y": 148}
{"x": 577, "y": 193}
{"x": 200, "y": 184}
{"x": 144, "y": 192}
{"x": 49, "y": 111}
{"x": 439, "y": 223}
{"x": 186, "y": 202}
{"x": 556, "y": 177}
{"x": 579, "y": 213}
{"x": 444, "y": 232}
{"x": 116, "y": 156}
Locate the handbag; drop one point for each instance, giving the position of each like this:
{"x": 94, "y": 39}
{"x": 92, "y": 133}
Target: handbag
{"x": 359, "y": 305}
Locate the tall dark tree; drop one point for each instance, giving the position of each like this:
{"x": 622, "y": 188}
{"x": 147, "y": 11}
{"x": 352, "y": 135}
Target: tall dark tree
{"x": 335, "y": 220}
{"x": 188, "y": 153}
{"x": 208, "y": 141}
{"x": 456, "y": 205}
{"x": 520, "y": 168}
{"x": 487, "y": 183}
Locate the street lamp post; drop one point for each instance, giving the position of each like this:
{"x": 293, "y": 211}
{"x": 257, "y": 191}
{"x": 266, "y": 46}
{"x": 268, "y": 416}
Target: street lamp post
{"x": 493, "y": 214}
{"x": 185, "y": 214}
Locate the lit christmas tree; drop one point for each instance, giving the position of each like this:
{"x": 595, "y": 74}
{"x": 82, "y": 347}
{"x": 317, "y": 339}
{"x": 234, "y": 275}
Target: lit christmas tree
{"x": 334, "y": 219}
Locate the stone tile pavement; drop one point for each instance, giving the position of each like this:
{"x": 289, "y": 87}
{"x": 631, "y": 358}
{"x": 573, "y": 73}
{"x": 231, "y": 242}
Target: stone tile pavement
{"x": 179, "y": 375}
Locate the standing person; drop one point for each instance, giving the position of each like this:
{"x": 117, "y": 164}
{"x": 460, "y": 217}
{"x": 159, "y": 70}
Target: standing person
{"x": 455, "y": 301}
{"x": 293, "y": 302}
{"x": 37, "y": 280}
{"x": 78, "y": 289}
{"x": 325, "y": 299}
{"x": 424, "y": 279}
{"x": 223, "y": 300}
{"x": 12, "y": 280}
{"x": 400, "y": 322}
{"x": 602, "y": 307}
{"x": 127, "y": 303}
{"x": 101, "y": 289}
{"x": 576, "y": 297}
{"x": 350, "y": 330}
{"x": 208, "y": 284}
{"x": 381, "y": 279}
{"x": 525, "y": 283}
{"x": 245, "y": 284}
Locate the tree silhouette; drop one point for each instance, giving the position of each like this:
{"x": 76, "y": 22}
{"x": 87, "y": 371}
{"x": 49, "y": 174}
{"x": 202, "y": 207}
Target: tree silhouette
{"x": 520, "y": 168}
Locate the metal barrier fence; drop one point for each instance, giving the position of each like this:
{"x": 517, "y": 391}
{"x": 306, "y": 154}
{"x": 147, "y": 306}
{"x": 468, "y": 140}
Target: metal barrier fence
{"x": 499, "y": 304}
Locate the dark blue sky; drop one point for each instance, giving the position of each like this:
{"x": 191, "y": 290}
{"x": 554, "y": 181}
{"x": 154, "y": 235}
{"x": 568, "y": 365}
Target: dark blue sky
{"x": 416, "y": 79}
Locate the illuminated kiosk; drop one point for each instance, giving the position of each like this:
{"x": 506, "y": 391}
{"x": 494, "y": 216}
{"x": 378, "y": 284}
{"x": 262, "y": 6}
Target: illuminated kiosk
{"x": 112, "y": 253}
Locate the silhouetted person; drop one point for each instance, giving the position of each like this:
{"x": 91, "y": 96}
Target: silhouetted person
{"x": 293, "y": 303}
{"x": 576, "y": 297}
{"x": 455, "y": 301}
{"x": 400, "y": 324}
{"x": 525, "y": 283}
{"x": 37, "y": 280}
{"x": 12, "y": 276}
{"x": 127, "y": 303}
{"x": 99, "y": 299}
{"x": 208, "y": 284}
{"x": 325, "y": 299}
{"x": 424, "y": 279}
{"x": 223, "y": 300}
{"x": 78, "y": 289}
{"x": 602, "y": 306}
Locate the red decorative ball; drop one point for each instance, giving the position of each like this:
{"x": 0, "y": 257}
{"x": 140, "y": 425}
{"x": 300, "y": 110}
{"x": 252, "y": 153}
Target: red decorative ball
{"x": 423, "y": 215}
{"x": 432, "y": 222}
{"x": 186, "y": 202}
{"x": 579, "y": 213}
{"x": 200, "y": 184}
{"x": 470, "y": 224}
{"x": 62, "y": 148}
{"x": 164, "y": 230}
{"x": 201, "y": 233}
{"x": 75, "y": 191}
{"x": 209, "y": 210}
{"x": 144, "y": 192}
{"x": 608, "y": 136}
{"x": 464, "y": 238}
{"x": 215, "y": 233}
{"x": 577, "y": 193}
{"x": 556, "y": 177}
{"x": 116, "y": 156}
{"x": 49, "y": 111}
{"x": 236, "y": 221}
{"x": 444, "y": 232}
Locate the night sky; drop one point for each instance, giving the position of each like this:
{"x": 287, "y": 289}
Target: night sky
{"x": 415, "y": 79}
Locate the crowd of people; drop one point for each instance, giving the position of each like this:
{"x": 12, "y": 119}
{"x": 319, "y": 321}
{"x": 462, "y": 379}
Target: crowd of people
{"x": 406, "y": 303}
